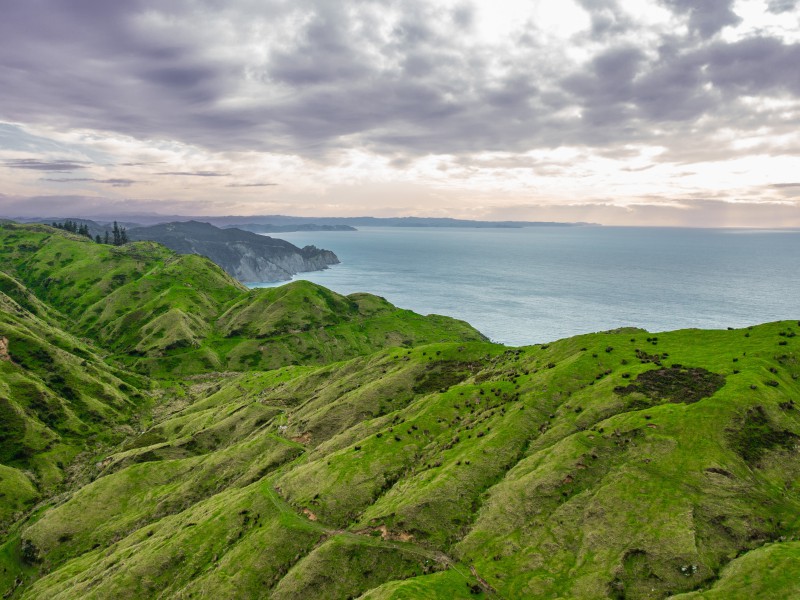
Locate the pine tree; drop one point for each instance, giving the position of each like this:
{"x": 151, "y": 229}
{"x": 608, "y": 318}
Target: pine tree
{"x": 123, "y": 236}
{"x": 97, "y": 239}
{"x": 116, "y": 233}
{"x": 105, "y": 238}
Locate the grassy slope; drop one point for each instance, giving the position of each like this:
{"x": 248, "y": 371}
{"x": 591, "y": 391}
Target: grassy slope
{"x": 165, "y": 314}
{"x": 617, "y": 464}
{"x": 419, "y": 465}
{"x": 57, "y": 395}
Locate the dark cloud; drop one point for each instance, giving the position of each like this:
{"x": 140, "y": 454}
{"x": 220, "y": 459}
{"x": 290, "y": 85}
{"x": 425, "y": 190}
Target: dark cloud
{"x": 754, "y": 66}
{"x": 254, "y": 75}
{"x": 62, "y": 166}
{"x": 247, "y": 185}
{"x": 607, "y": 19}
{"x": 785, "y": 185}
{"x": 114, "y": 182}
{"x": 706, "y": 17}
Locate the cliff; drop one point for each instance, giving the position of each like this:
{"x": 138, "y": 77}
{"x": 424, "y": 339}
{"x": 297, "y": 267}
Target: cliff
{"x": 245, "y": 255}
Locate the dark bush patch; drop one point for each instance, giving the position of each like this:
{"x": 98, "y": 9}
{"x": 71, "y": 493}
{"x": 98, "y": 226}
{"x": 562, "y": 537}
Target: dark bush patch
{"x": 57, "y": 382}
{"x": 684, "y": 385}
{"x": 148, "y": 456}
{"x": 443, "y": 375}
{"x": 12, "y": 430}
{"x": 644, "y": 357}
{"x": 49, "y": 410}
{"x": 29, "y": 553}
{"x": 754, "y": 435}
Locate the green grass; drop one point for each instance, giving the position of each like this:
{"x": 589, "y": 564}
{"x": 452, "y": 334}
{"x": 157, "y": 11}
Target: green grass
{"x": 169, "y": 315}
{"x": 401, "y": 457}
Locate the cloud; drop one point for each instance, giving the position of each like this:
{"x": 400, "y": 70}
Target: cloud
{"x": 362, "y": 92}
{"x": 781, "y": 6}
{"x": 194, "y": 173}
{"x": 706, "y": 17}
{"x": 664, "y": 213}
{"x": 311, "y": 78}
{"x": 33, "y": 164}
{"x": 114, "y": 182}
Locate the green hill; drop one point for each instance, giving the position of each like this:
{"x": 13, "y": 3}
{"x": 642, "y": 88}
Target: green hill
{"x": 388, "y": 463}
{"x": 163, "y": 313}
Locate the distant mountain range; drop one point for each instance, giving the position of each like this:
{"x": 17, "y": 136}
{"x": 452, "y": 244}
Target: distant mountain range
{"x": 289, "y": 221}
{"x": 270, "y": 228}
{"x": 286, "y": 223}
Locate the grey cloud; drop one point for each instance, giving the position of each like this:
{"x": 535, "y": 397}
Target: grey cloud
{"x": 706, "y": 17}
{"x": 336, "y": 83}
{"x": 781, "y": 6}
{"x": 607, "y": 18}
{"x": 756, "y": 66}
{"x": 784, "y": 190}
{"x": 45, "y": 165}
{"x": 114, "y": 182}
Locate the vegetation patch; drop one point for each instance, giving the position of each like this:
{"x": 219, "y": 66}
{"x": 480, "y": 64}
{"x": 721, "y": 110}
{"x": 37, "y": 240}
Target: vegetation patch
{"x": 677, "y": 385}
{"x": 443, "y": 375}
{"x": 12, "y": 429}
{"x": 754, "y": 435}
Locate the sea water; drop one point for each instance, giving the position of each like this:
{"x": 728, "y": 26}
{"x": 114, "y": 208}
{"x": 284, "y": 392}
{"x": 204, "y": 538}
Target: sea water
{"x": 538, "y": 284}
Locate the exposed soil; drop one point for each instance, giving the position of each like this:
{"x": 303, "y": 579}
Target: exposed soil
{"x": 311, "y": 516}
{"x": 303, "y": 438}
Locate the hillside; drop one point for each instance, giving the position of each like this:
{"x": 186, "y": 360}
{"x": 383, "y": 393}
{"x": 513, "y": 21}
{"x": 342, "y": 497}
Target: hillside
{"x": 244, "y": 255}
{"x": 391, "y": 464}
{"x": 160, "y": 312}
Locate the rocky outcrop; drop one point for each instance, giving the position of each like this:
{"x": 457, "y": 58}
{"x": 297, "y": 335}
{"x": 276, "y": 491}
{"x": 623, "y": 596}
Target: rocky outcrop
{"x": 245, "y": 255}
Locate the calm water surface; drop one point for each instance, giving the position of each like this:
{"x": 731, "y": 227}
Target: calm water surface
{"x": 523, "y": 286}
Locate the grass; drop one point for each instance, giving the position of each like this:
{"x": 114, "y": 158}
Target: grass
{"x": 401, "y": 457}
{"x": 169, "y": 315}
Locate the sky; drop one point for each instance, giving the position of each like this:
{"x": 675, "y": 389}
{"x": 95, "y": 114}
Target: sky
{"x": 626, "y": 112}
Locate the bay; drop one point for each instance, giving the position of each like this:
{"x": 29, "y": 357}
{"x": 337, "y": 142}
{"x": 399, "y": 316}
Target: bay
{"x": 539, "y": 284}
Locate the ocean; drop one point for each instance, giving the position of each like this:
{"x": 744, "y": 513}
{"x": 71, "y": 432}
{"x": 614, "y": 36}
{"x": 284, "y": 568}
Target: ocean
{"x": 532, "y": 285}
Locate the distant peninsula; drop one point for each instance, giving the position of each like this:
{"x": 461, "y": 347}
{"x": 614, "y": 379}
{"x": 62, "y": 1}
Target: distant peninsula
{"x": 270, "y": 228}
{"x": 318, "y": 223}
{"x": 245, "y": 255}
